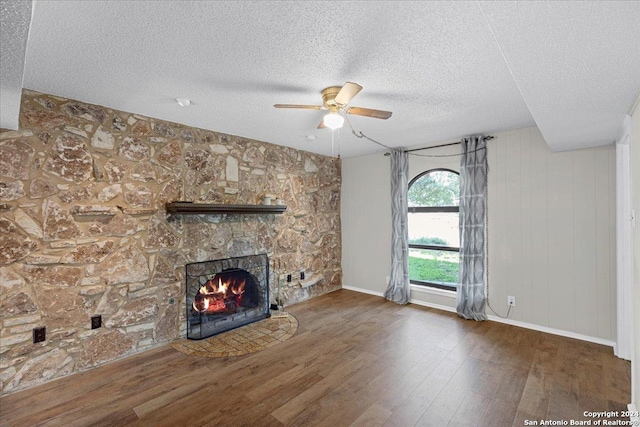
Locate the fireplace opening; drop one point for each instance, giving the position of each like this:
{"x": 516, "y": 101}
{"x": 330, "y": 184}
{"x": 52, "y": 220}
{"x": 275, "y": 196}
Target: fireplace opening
{"x": 225, "y": 294}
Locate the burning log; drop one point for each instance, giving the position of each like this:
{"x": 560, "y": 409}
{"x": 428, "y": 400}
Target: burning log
{"x": 219, "y": 297}
{"x": 225, "y": 293}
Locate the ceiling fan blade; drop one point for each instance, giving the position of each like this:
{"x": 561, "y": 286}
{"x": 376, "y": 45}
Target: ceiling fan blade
{"x": 368, "y": 112}
{"x": 321, "y": 125}
{"x": 305, "y": 107}
{"x": 348, "y": 91}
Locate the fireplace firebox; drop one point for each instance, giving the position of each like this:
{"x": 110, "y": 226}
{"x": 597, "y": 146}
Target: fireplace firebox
{"x": 225, "y": 294}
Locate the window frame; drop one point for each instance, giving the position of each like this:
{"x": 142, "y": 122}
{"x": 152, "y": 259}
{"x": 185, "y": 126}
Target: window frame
{"x": 427, "y": 209}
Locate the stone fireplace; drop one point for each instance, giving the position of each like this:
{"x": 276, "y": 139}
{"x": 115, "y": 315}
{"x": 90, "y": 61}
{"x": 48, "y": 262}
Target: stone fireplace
{"x": 85, "y": 230}
{"x": 225, "y": 294}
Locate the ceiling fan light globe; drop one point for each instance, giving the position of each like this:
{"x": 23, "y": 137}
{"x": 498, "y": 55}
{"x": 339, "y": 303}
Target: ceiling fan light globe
{"x": 333, "y": 121}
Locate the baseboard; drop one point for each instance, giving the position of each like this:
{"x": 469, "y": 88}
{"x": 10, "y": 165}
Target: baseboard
{"x": 363, "y": 291}
{"x": 552, "y": 331}
{"x": 517, "y": 323}
{"x": 432, "y": 305}
{"x": 412, "y": 301}
{"x": 635, "y": 419}
{"x": 433, "y": 291}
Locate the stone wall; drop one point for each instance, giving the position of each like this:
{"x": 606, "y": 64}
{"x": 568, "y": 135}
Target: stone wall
{"x": 84, "y": 231}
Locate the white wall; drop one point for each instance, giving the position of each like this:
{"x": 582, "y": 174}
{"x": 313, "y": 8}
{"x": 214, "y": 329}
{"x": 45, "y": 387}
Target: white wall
{"x": 366, "y": 222}
{"x": 635, "y": 185}
{"x": 551, "y": 230}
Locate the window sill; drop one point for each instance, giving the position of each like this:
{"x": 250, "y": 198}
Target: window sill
{"x": 433, "y": 291}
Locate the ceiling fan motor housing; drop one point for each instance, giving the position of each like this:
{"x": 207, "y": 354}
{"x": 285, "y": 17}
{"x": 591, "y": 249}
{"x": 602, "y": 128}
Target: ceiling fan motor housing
{"x": 329, "y": 95}
{"x": 335, "y": 99}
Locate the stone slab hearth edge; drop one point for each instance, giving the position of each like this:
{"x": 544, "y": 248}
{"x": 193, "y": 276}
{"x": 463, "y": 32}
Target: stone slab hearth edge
{"x": 84, "y": 231}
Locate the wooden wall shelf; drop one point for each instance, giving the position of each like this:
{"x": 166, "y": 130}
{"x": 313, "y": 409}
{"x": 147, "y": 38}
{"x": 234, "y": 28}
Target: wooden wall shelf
{"x": 188, "y": 208}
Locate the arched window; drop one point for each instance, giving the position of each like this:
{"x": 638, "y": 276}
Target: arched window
{"x": 434, "y": 236}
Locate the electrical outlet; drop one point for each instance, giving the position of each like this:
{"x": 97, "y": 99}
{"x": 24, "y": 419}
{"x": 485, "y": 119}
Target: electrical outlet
{"x": 387, "y": 280}
{"x": 302, "y": 275}
{"x": 288, "y": 278}
{"x": 96, "y": 321}
{"x": 511, "y": 300}
{"x": 39, "y": 334}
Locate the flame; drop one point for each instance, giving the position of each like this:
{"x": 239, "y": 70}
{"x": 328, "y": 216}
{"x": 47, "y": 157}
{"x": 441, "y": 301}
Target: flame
{"x": 222, "y": 287}
{"x": 208, "y": 288}
{"x": 238, "y": 289}
{"x": 201, "y": 304}
{"x": 218, "y": 297}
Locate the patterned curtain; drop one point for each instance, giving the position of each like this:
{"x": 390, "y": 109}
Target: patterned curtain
{"x": 398, "y": 289}
{"x": 470, "y": 297}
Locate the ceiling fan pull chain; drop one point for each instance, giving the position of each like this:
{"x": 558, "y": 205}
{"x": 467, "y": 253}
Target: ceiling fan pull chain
{"x": 332, "y": 133}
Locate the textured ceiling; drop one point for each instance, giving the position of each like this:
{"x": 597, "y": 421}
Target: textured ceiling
{"x": 577, "y": 65}
{"x": 445, "y": 69}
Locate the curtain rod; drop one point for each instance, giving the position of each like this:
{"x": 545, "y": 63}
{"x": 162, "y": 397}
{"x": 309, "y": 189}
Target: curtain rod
{"x": 486, "y": 138}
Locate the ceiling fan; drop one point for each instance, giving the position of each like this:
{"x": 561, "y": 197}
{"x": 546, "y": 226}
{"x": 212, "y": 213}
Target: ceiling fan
{"x": 335, "y": 99}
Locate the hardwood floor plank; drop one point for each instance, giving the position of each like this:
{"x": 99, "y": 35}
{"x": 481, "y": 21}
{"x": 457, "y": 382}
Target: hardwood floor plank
{"x": 170, "y": 391}
{"x": 489, "y": 380}
{"x": 127, "y": 388}
{"x": 374, "y": 416}
{"x": 279, "y": 382}
{"x": 288, "y": 391}
{"x": 445, "y": 405}
{"x": 356, "y": 359}
{"x": 408, "y": 405}
{"x": 563, "y": 405}
{"x": 535, "y": 396}
{"x": 617, "y": 375}
{"x": 359, "y": 391}
{"x": 226, "y": 386}
{"x": 499, "y": 413}
{"x": 300, "y": 403}
{"x": 522, "y": 417}
{"x": 22, "y": 404}
{"x": 512, "y": 385}
{"x": 104, "y": 417}
{"x": 471, "y": 410}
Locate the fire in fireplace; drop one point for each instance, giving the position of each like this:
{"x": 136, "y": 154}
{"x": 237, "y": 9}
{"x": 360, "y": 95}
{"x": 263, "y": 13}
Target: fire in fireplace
{"x": 225, "y": 294}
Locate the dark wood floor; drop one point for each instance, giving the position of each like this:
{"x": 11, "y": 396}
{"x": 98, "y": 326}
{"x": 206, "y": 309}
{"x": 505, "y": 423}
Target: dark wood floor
{"x": 355, "y": 360}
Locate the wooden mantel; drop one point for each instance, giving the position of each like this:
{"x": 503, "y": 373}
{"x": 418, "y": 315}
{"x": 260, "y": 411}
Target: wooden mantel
{"x": 189, "y": 208}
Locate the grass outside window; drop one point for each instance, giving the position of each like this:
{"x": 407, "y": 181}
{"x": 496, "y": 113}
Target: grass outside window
{"x": 432, "y": 266}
